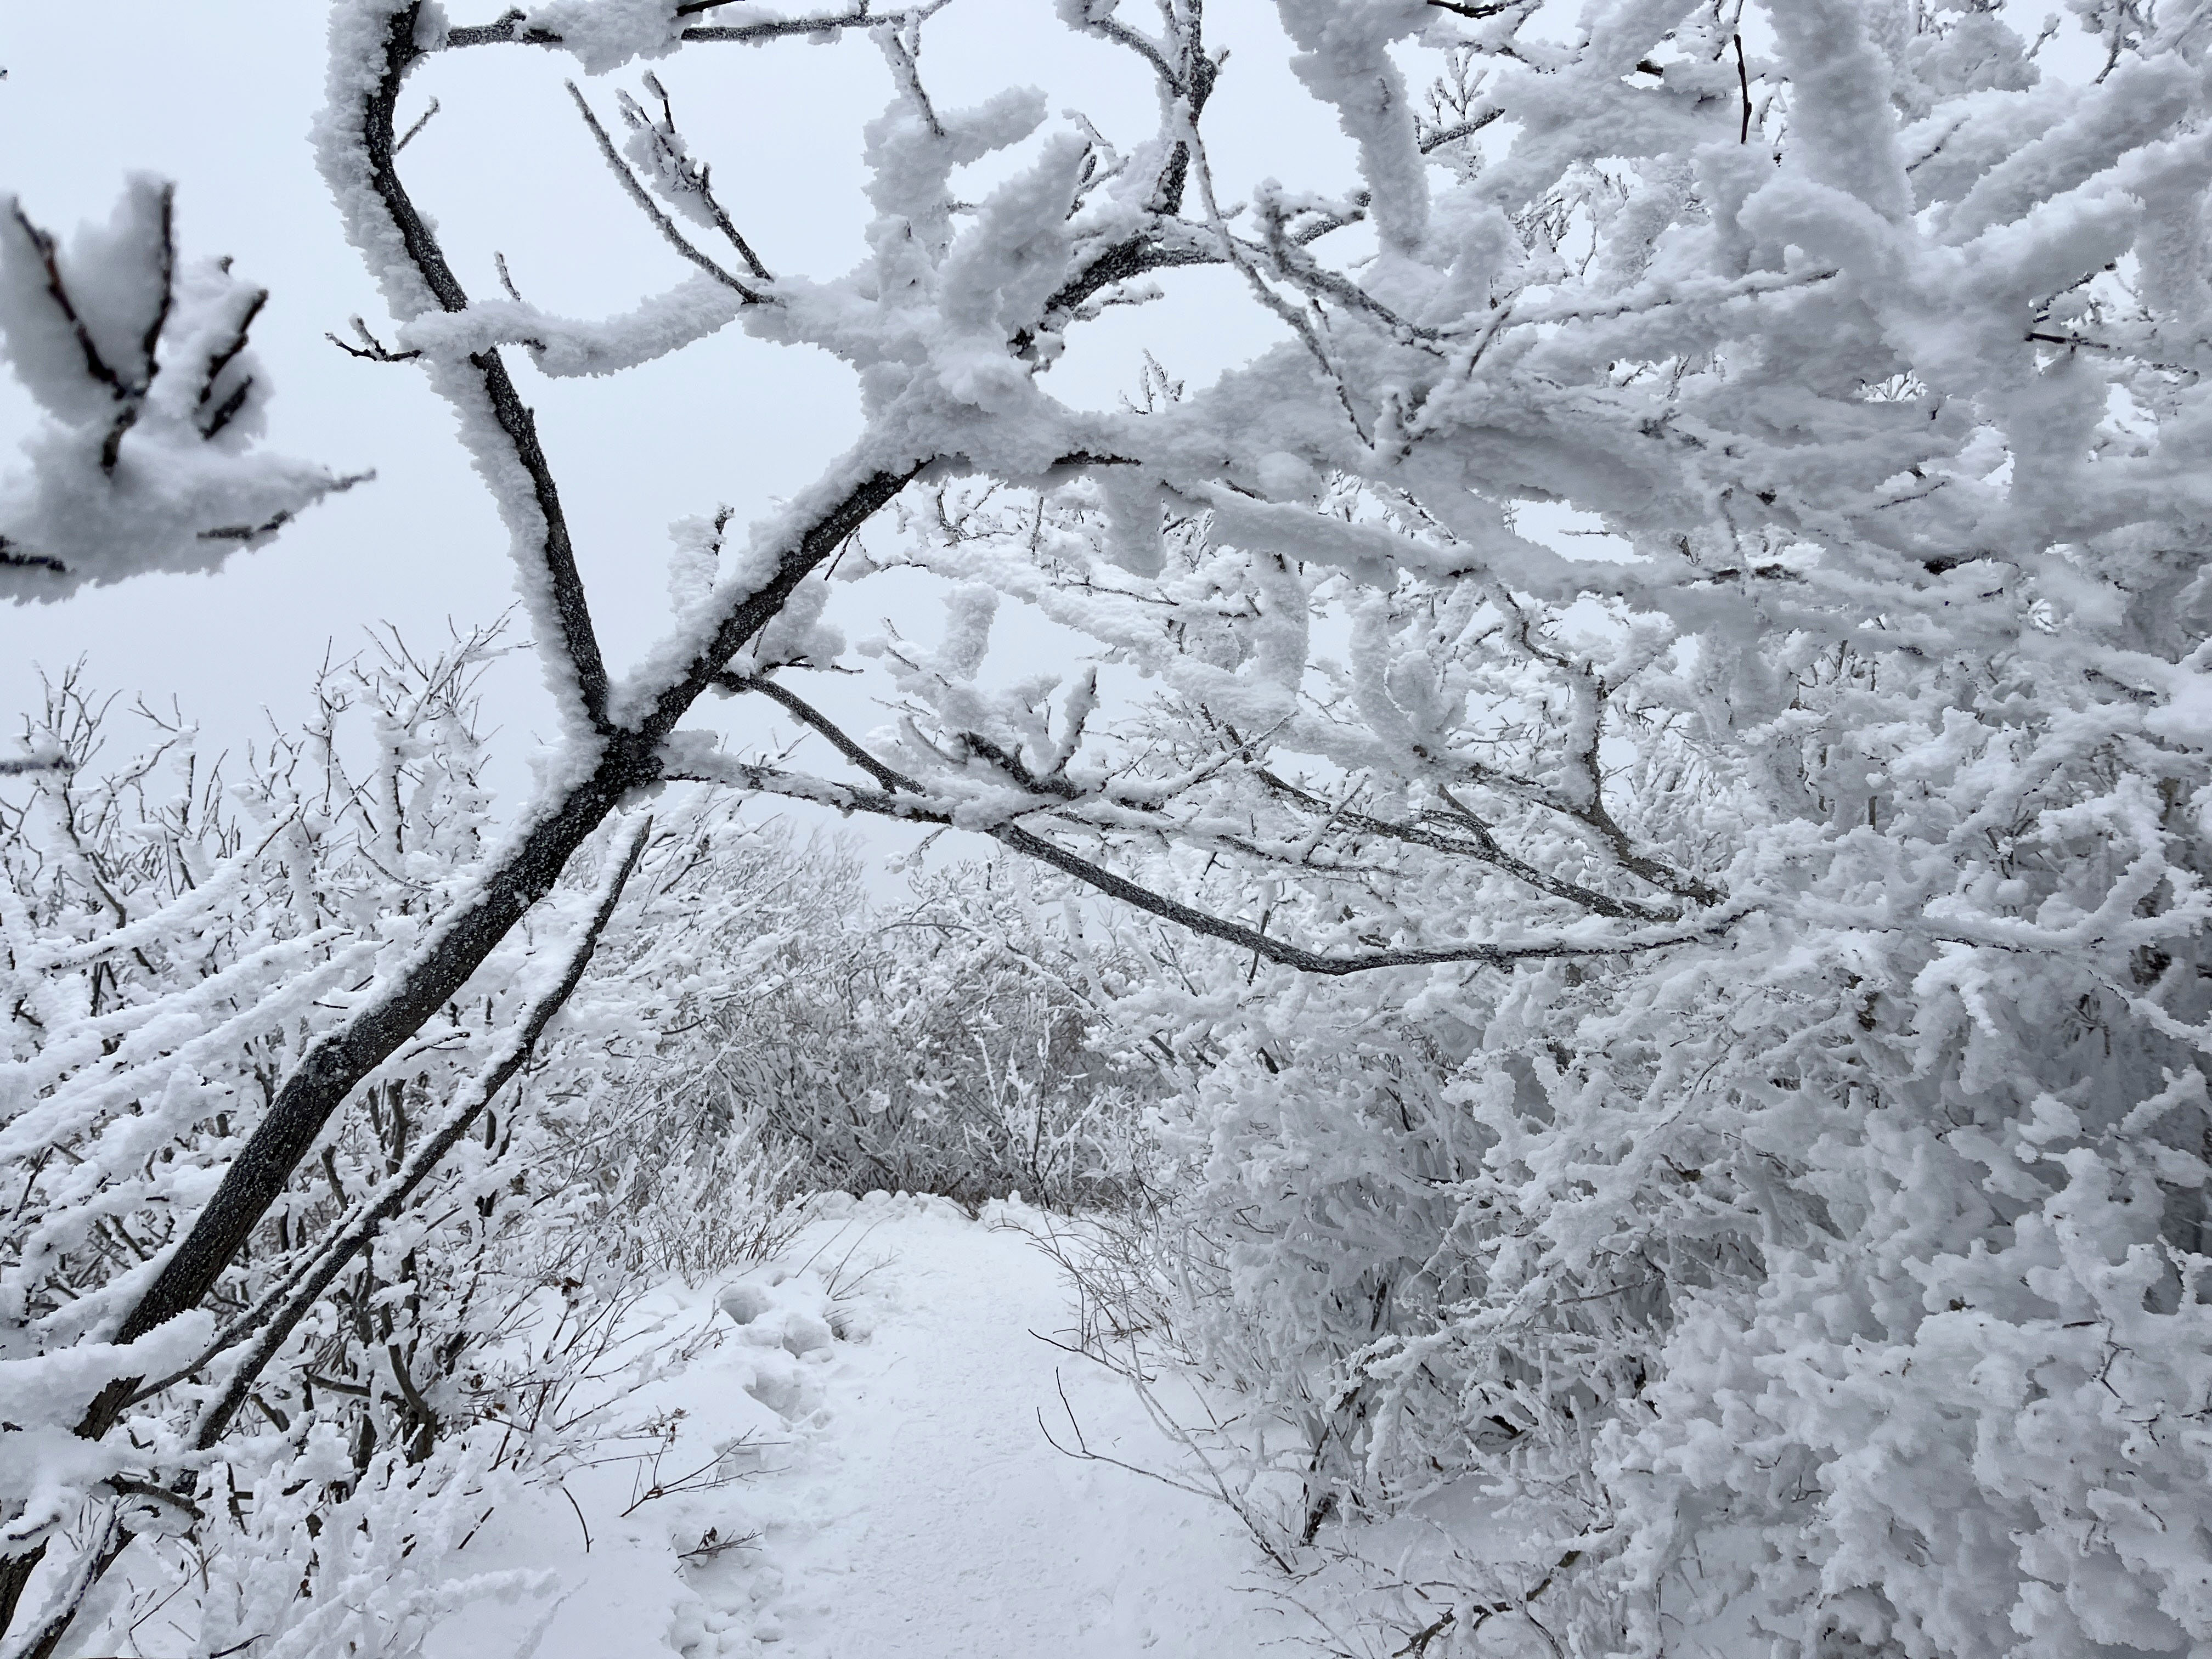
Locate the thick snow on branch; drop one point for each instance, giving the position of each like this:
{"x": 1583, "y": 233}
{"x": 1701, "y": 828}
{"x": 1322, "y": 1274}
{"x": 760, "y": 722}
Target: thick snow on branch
{"x": 606, "y": 34}
{"x": 562, "y": 347}
{"x": 153, "y": 400}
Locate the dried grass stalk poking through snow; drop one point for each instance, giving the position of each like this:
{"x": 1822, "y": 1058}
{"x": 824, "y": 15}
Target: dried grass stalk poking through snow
{"x": 1771, "y": 1129}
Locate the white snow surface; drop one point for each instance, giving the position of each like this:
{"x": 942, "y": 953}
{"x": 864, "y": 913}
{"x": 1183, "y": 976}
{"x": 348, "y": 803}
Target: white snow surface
{"x": 900, "y": 1495}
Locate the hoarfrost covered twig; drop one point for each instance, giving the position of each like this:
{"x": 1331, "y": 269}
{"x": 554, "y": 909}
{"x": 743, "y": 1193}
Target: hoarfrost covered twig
{"x": 651, "y": 208}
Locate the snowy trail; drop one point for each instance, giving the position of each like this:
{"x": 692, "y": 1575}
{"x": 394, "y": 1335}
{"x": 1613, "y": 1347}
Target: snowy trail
{"x": 890, "y": 1496}
{"x": 930, "y": 1517}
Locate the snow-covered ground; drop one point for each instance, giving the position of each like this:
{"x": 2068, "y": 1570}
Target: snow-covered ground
{"x": 892, "y": 1487}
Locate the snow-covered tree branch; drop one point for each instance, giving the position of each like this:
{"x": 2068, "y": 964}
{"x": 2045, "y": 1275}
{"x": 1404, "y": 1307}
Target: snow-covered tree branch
{"x": 151, "y": 397}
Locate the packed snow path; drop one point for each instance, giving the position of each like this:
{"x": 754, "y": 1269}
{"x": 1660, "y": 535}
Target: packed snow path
{"x": 929, "y": 1516}
{"x": 883, "y": 1492}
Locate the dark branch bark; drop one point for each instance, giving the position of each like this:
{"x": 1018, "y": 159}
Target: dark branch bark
{"x": 1477, "y": 843}
{"x": 1486, "y": 953}
{"x": 508, "y": 30}
{"x": 1131, "y": 257}
{"x": 572, "y": 612}
{"x": 362, "y": 1229}
{"x": 638, "y": 194}
{"x": 1467, "y": 129}
{"x": 813, "y": 717}
{"x": 902, "y": 797}
{"x": 630, "y": 759}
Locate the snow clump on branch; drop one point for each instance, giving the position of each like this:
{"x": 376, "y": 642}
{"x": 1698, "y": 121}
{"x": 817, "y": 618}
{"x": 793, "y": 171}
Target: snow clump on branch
{"x": 152, "y": 398}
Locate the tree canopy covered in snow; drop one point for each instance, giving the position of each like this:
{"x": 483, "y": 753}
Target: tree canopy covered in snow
{"x": 1646, "y": 777}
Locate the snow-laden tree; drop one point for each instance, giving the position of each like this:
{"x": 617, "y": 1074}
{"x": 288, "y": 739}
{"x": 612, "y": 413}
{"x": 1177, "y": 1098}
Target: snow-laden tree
{"x": 1782, "y": 925}
{"x": 441, "y": 1308}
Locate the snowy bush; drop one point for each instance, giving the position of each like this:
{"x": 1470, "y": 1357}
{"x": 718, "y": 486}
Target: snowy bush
{"x": 1818, "y": 1264}
{"x": 450, "y": 1265}
{"x": 1837, "y": 1279}
{"x": 939, "y": 1045}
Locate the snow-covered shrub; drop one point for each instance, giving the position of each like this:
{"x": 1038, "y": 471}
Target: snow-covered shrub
{"x": 1765, "y": 1155}
{"x": 939, "y": 1045}
{"x": 382, "y": 1571}
{"x": 1838, "y": 1278}
{"x": 175, "y": 935}
{"x": 452, "y": 1261}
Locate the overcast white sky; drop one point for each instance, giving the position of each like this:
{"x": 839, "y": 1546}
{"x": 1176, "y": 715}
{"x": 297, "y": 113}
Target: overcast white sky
{"x": 219, "y": 96}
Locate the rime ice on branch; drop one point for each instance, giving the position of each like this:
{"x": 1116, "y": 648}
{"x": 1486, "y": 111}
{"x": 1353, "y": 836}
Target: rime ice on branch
{"x": 152, "y": 399}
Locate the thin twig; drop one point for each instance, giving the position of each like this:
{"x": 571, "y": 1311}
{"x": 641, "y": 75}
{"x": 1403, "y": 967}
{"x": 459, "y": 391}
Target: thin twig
{"x": 643, "y": 198}
{"x": 573, "y": 1504}
{"x": 421, "y": 121}
{"x": 1743, "y": 80}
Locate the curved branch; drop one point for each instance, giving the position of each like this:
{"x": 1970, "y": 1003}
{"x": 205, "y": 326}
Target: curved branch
{"x": 1486, "y": 953}
{"x": 628, "y": 759}
{"x": 359, "y": 1230}
{"x": 512, "y": 27}
{"x": 1480, "y": 844}
{"x": 814, "y": 718}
